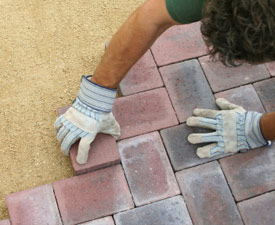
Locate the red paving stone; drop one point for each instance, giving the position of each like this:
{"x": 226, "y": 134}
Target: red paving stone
{"x": 187, "y": 88}
{"x": 244, "y": 96}
{"x": 252, "y": 173}
{"x": 171, "y": 211}
{"x": 259, "y": 210}
{"x": 143, "y": 76}
{"x": 104, "y": 153}
{"x": 34, "y": 206}
{"x": 271, "y": 68}
{"x": 221, "y": 77}
{"x": 266, "y": 92}
{"x": 144, "y": 112}
{"x": 103, "y": 221}
{"x": 147, "y": 169}
{"x": 179, "y": 43}
{"x": 93, "y": 195}
{"x": 4, "y": 222}
{"x": 208, "y": 196}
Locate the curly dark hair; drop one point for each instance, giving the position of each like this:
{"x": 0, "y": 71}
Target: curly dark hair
{"x": 240, "y": 30}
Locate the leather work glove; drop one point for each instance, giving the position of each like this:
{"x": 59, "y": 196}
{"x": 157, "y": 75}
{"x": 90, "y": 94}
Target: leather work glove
{"x": 89, "y": 115}
{"x": 235, "y": 129}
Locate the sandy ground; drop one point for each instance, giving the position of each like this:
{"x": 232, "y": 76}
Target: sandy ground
{"x": 46, "y": 46}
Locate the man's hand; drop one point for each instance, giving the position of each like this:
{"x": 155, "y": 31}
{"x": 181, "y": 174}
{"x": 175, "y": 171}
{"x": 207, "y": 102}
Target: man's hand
{"x": 89, "y": 115}
{"x": 235, "y": 129}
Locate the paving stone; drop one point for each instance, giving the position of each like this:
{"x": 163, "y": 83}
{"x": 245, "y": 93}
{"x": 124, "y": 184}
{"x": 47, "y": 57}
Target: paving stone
{"x": 181, "y": 153}
{"x": 147, "y": 168}
{"x": 252, "y": 173}
{"x": 171, "y": 211}
{"x": 208, "y": 196}
{"x": 93, "y": 195}
{"x": 144, "y": 112}
{"x": 143, "y": 76}
{"x": 103, "y": 221}
{"x": 179, "y": 43}
{"x": 271, "y": 68}
{"x": 103, "y": 152}
{"x": 245, "y": 96}
{"x": 266, "y": 92}
{"x": 221, "y": 77}
{"x": 4, "y": 222}
{"x": 187, "y": 88}
{"x": 259, "y": 210}
{"x": 33, "y": 206}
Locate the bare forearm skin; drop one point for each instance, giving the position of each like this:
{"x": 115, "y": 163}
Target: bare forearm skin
{"x": 131, "y": 41}
{"x": 268, "y": 126}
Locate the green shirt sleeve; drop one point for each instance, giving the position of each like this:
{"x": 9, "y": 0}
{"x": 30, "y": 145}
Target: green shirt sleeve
{"x": 185, "y": 11}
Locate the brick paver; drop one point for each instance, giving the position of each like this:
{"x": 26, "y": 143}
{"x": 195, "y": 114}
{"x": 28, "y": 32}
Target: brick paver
{"x": 244, "y": 96}
{"x": 271, "y": 68}
{"x": 143, "y": 76}
{"x": 4, "y": 222}
{"x": 187, "y": 88}
{"x": 93, "y": 195}
{"x": 181, "y": 153}
{"x": 179, "y": 43}
{"x": 103, "y": 221}
{"x": 222, "y": 78}
{"x": 251, "y": 173}
{"x": 147, "y": 169}
{"x": 144, "y": 112}
{"x": 166, "y": 212}
{"x": 33, "y": 206}
{"x": 208, "y": 196}
{"x": 266, "y": 92}
{"x": 259, "y": 210}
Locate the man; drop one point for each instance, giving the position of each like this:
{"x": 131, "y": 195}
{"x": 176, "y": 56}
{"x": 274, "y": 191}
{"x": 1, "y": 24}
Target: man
{"x": 234, "y": 30}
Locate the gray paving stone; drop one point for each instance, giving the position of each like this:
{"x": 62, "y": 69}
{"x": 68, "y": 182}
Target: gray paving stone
{"x": 208, "y": 196}
{"x": 171, "y": 211}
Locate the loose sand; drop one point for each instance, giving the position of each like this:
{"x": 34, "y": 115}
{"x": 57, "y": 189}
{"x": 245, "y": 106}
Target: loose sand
{"x": 45, "y": 48}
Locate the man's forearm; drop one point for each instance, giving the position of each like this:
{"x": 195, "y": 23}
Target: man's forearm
{"x": 268, "y": 126}
{"x": 131, "y": 41}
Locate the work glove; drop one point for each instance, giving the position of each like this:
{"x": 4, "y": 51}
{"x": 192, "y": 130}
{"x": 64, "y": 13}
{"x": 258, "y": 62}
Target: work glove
{"x": 89, "y": 115}
{"x": 235, "y": 129}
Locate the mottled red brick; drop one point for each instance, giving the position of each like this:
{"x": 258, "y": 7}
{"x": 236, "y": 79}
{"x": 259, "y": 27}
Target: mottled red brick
{"x": 93, "y": 195}
{"x": 271, "y": 68}
{"x": 179, "y": 43}
{"x": 33, "y": 206}
{"x": 103, "y": 221}
{"x": 144, "y": 112}
{"x": 4, "y": 222}
{"x": 147, "y": 169}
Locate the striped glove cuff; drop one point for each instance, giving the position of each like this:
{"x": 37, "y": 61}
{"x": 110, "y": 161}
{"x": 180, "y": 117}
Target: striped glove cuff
{"x": 95, "y": 96}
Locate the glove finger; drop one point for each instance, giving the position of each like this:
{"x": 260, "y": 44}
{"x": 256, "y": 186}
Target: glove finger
{"x": 70, "y": 139}
{"x": 58, "y": 124}
{"x": 226, "y": 105}
{"x": 209, "y": 151}
{"x": 84, "y": 148}
{"x": 204, "y": 138}
{"x": 201, "y": 122}
{"x": 209, "y": 113}
{"x": 63, "y": 131}
{"x": 113, "y": 130}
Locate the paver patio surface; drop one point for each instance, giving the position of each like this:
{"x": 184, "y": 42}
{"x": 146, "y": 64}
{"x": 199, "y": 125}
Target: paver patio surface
{"x": 151, "y": 175}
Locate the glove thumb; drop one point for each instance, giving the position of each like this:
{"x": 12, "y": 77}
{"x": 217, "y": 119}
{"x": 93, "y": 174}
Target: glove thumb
{"x": 84, "y": 148}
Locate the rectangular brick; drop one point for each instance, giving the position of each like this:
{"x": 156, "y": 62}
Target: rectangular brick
{"x": 252, "y": 173}
{"x": 144, "y": 112}
{"x": 271, "y": 68}
{"x": 181, "y": 153}
{"x": 103, "y": 221}
{"x": 245, "y": 96}
{"x": 147, "y": 169}
{"x": 179, "y": 43}
{"x": 93, "y": 195}
{"x": 33, "y": 206}
{"x": 103, "y": 152}
{"x": 4, "y": 222}
{"x": 259, "y": 210}
{"x": 208, "y": 196}
{"x": 187, "y": 88}
{"x": 266, "y": 92}
{"x": 221, "y": 77}
{"x": 143, "y": 76}
{"x": 171, "y": 211}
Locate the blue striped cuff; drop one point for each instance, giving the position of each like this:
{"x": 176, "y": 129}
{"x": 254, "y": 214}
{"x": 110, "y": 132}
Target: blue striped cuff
{"x": 95, "y": 96}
